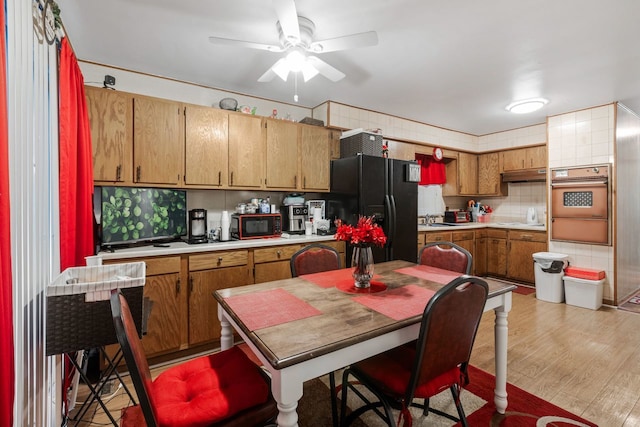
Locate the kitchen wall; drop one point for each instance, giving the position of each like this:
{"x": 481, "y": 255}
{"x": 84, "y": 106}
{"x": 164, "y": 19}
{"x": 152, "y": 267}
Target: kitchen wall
{"x": 582, "y": 138}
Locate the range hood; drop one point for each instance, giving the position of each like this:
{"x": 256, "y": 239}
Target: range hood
{"x": 525, "y": 175}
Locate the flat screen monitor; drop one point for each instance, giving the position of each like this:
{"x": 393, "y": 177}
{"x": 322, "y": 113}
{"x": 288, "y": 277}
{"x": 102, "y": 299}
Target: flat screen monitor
{"x": 134, "y": 215}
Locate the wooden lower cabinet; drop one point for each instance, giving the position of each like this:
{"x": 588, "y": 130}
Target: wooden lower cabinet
{"x": 164, "y": 290}
{"x": 274, "y": 263}
{"x": 204, "y": 325}
{"x": 209, "y": 272}
{"x": 480, "y": 255}
{"x": 522, "y": 246}
{"x": 497, "y": 252}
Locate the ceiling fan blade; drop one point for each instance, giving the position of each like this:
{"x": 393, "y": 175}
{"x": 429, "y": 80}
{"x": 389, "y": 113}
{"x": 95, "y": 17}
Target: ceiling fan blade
{"x": 288, "y": 19}
{"x": 370, "y": 38}
{"x": 325, "y": 69}
{"x": 242, "y": 43}
{"x": 280, "y": 69}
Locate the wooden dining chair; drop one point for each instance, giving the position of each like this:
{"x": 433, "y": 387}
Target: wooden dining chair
{"x": 446, "y": 255}
{"x": 438, "y": 360}
{"x": 317, "y": 258}
{"x": 222, "y": 389}
{"x": 314, "y": 258}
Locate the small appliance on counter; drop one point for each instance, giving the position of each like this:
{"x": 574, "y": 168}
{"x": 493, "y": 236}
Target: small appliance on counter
{"x": 456, "y": 216}
{"x": 255, "y": 226}
{"x": 197, "y": 226}
{"x": 293, "y": 199}
{"x": 294, "y": 217}
{"x": 532, "y": 216}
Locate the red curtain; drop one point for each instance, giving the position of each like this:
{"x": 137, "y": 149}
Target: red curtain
{"x": 75, "y": 175}
{"x": 76, "y": 165}
{"x": 7, "y": 372}
{"x": 431, "y": 170}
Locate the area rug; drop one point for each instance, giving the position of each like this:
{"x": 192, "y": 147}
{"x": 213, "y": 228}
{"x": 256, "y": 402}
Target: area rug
{"x": 524, "y": 290}
{"x": 632, "y": 304}
{"x": 524, "y": 410}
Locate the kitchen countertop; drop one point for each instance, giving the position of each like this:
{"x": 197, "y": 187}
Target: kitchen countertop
{"x": 178, "y": 248}
{"x": 476, "y": 225}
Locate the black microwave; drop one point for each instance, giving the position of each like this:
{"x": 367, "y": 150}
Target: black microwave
{"x": 255, "y": 226}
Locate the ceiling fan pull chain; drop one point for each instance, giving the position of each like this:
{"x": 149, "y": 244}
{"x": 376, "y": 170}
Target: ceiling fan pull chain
{"x": 295, "y": 82}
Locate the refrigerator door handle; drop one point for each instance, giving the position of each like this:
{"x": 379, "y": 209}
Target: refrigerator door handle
{"x": 392, "y": 221}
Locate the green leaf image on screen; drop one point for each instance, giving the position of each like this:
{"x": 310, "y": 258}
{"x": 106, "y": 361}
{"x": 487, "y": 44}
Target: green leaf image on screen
{"x": 141, "y": 214}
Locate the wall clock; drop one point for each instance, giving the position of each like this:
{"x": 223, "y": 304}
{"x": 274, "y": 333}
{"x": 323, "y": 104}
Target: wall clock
{"x": 49, "y": 22}
{"x": 438, "y": 154}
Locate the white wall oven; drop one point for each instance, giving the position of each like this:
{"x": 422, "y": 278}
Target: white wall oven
{"x": 581, "y": 204}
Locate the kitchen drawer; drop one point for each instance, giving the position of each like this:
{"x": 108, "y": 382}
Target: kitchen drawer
{"x": 481, "y": 233}
{"x": 154, "y": 266}
{"x": 218, "y": 260}
{"x": 437, "y": 237}
{"x": 462, "y": 235}
{"x": 497, "y": 233}
{"x": 531, "y": 236}
{"x": 276, "y": 253}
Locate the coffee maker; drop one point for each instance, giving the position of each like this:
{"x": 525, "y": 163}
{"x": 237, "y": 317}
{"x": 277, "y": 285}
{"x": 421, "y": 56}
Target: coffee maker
{"x": 293, "y": 218}
{"x": 197, "y": 226}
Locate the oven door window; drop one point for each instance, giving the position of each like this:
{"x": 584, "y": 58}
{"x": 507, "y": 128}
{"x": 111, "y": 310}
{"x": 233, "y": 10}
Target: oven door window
{"x": 578, "y": 199}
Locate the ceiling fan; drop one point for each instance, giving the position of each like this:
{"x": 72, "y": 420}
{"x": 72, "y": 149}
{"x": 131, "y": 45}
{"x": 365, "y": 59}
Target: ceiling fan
{"x": 297, "y": 40}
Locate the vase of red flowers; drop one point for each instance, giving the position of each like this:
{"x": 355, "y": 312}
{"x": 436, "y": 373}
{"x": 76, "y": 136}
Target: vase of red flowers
{"x": 363, "y": 236}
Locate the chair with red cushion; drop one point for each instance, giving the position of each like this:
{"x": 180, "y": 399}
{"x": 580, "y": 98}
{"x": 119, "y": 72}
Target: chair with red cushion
{"x": 314, "y": 258}
{"x": 446, "y": 255}
{"x": 317, "y": 258}
{"x": 438, "y": 360}
{"x": 221, "y": 389}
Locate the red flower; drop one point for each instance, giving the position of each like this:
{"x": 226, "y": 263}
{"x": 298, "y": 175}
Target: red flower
{"x": 365, "y": 233}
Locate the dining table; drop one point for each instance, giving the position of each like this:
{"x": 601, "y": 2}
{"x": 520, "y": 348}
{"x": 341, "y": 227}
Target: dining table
{"x": 309, "y": 326}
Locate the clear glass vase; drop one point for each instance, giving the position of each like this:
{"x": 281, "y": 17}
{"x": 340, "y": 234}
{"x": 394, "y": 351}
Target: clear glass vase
{"x": 362, "y": 263}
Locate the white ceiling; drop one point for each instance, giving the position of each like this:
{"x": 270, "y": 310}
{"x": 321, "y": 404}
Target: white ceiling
{"x": 453, "y": 64}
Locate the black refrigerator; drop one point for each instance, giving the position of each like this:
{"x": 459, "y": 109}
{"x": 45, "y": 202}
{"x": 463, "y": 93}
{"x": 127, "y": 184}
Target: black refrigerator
{"x": 386, "y": 188}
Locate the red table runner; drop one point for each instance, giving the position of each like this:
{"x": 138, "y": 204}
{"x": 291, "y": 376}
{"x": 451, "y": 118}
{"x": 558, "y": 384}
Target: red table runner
{"x": 400, "y": 303}
{"x": 427, "y": 272}
{"x": 269, "y": 308}
{"x": 328, "y": 279}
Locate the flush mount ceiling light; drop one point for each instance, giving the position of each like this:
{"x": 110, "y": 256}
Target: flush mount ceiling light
{"x": 526, "y": 105}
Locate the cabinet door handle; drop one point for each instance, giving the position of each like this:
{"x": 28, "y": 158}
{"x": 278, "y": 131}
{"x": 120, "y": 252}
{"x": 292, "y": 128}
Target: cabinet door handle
{"x": 438, "y": 238}
{"x": 190, "y": 284}
{"x": 219, "y": 260}
{"x": 304, "y": 183}
{"x": 138, "y": 173}
{"x": 231, "y": 177}
{"x": 219, "y": 177}
{"x": 295, "y": 181}
{"x": 526, "y": 237}
{"x": 279, "y": 253}
{"x": 178, "y": 286}
{"x": 118, "y": 171}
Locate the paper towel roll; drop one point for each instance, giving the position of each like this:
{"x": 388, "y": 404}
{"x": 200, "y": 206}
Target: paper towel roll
{"x": 317, "y": 214}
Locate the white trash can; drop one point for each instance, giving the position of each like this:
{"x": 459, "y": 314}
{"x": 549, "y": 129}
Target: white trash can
{"x": 549, "y": 269}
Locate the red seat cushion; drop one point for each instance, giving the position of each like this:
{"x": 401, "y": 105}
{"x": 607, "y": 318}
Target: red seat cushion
{"x": 392, "y": 371}
{"x": 208, "y": 389}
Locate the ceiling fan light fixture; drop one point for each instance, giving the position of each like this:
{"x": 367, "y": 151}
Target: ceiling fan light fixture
{"x": 281, "y": 68}
{"x": 526, "y": 105}
{"x": 296, "y": 60}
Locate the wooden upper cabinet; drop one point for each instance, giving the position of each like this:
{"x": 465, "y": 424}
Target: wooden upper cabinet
{"x": 206, "y": 146}
{"x": 467, "y": 174}
{"x": 111, "y": 120}
{"x": 524, "y": 158}
{"x": 489, "y": 181}
{"x": 314, "y": 158}
{"x": 282, "y": 154}
{"x": 246, "y": 151}
{"x": 537, "y": 156}
{"x": 401, "y": 150}
{"x": 158, "y": 141}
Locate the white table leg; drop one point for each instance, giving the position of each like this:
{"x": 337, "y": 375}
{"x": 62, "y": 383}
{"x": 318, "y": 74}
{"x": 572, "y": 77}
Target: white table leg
{"x": 501, "y": 332}
{"x": 226, "y": 335}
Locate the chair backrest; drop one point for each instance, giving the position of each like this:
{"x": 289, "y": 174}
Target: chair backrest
{"x": 448, "y": 329}
{"x": 450, "y": 257}
{"x": 134, "y": 355}
{"x": 314, "y": 258}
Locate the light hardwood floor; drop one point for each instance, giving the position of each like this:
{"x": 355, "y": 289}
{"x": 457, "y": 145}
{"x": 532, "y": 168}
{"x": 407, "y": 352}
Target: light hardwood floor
{"x": 582, "y": 360}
